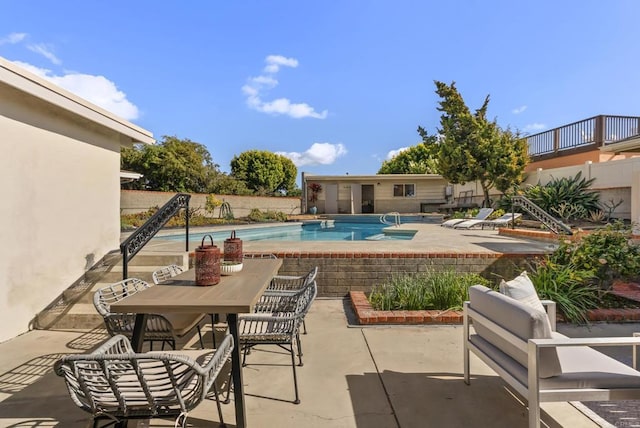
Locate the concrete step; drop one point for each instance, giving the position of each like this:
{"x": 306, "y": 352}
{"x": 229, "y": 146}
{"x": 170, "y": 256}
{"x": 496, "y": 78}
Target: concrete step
{"x": 74, "y": 309}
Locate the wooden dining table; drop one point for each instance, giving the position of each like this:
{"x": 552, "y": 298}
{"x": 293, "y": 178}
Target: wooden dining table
{"x": 233, "y": 295}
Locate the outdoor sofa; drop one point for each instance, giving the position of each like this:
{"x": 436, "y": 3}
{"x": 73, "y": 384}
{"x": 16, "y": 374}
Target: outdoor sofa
{"x": 519, "y": 342}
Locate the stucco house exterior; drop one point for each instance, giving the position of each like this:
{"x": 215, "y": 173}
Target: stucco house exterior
{"x": 60, "y": 172}
{"x": 375, "y": 194}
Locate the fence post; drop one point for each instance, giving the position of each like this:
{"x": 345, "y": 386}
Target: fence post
{"x": 599, "y": 130}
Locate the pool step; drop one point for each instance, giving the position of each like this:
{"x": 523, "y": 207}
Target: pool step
{"x": 74, "y": 309}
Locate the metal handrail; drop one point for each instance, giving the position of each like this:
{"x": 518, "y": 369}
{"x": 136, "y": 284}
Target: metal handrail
{"x": 396, "y": 219}
{"x": 139, "y": 238}
{"x": 555, "y": 225}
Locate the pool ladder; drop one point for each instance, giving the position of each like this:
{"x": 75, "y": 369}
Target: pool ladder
{"x": 396, "y": 219}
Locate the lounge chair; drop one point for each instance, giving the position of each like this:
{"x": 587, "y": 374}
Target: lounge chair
{"x": 482, "y": 215}
{"x": 498, "y": 222}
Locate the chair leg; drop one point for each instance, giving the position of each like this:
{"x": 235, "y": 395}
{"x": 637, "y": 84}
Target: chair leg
{"x": 304, "y": 327}
{"x": 215, "y": 391}
{"x": 200, "y": 336}
{"x": 213, "y": 328}
{"x": 299, "y": 349}
{"x": 295, "y": 378}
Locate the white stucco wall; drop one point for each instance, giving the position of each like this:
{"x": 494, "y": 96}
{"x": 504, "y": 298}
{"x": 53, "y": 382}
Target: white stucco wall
{"x": 59, "y": 170}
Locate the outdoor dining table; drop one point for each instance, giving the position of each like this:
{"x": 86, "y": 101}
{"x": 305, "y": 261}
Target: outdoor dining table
{"x": 233, "y": 295}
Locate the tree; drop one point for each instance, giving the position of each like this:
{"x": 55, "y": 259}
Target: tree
{"x": 264, "y": 172}
{"x": 474, "y": 148}
{"x": 173, "y": 165}
{"x": 418, "y": 159}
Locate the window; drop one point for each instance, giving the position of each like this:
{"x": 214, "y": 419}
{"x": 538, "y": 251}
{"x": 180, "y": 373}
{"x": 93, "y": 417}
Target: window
{"x": 404, "y": 190}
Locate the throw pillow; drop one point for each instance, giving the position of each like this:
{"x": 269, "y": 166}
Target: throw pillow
{"x": 521, "y": 288}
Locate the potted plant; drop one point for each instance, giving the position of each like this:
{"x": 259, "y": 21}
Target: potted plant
{"x": 315, "y": 189}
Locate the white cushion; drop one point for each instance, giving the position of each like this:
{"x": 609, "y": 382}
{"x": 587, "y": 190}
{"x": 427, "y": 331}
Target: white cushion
{"x": 522, "y": 289}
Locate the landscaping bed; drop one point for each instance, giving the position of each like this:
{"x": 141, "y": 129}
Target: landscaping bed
{"x": 622, "y": 306}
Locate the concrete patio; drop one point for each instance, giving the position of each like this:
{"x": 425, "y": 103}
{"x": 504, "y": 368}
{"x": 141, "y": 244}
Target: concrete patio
{"x": 360, "y": 377}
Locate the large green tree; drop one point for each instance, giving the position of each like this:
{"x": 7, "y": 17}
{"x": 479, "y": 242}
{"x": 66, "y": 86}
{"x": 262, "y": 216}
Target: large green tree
{"x": 172, "y": 165}
{"x": 418, "y": 159}
{"x": 474, "y": 148}
{"x": 265, "y": 172}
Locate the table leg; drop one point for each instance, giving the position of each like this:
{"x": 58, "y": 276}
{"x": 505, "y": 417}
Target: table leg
{"x": 138, "y": 332}
{"x": 236, "y": 372}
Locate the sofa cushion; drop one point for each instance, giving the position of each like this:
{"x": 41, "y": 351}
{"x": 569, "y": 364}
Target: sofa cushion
{"x": 522, "y": 289}
{"x": 519, "y": 319}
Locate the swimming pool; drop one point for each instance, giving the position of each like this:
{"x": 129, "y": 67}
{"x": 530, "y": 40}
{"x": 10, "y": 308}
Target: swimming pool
{"x": 326, "y": 230}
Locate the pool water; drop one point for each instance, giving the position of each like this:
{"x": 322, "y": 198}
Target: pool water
{"x": 316, "y": 231}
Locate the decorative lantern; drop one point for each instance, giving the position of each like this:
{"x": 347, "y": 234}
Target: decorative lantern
{"x": 233, "y": 248}
{"x": 207, "y": 263}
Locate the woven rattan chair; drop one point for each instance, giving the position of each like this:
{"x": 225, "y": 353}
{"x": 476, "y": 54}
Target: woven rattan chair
{"x": 159, "y": 328}
{"x": 276, "y": 321}
{"x": 115, "y": 384}
{"x": 292, "y": 283}
{"x": 168, "y": 272}
{"x": 165, "y": 273}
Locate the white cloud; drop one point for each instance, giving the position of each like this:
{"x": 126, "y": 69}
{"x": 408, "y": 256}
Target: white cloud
{"x": 519, "y": 110}
{"x": 284, "y": 106}
{"x": 393, "y": 153}
{"x": 535, "y": 127}
{"x": 13, "y": 38}
{"x": 255, "y": 88}
{"x": 45, "y": 51}
{"x": 96, "y": 89}
{"x": 274, "y": 62}
{"x": 317, "y": 154}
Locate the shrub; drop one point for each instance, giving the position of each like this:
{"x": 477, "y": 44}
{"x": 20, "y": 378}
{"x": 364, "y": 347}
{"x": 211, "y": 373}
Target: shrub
{"x": 569, "y": 287}
{"x": 608, "y": 253}
{"x": 426, "y": 290}
{"x": 568, "y": 198}
{"x": 258, "y": 216}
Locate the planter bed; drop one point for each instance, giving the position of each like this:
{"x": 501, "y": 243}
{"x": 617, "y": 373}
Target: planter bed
{"x": 366, "y": 315}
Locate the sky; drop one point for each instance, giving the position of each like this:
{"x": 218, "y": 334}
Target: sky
{"x": 337, "y": 86}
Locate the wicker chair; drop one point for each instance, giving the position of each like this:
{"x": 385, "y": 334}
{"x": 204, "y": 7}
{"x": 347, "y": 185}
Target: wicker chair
{"x": 292, "y": 283}
{"x": 165, "y": 273}
{"x": 113, "y": 383}
{"x": 168, "y": 272}
{"x": 276, "y": 321}
{"x": 159, "y": 328}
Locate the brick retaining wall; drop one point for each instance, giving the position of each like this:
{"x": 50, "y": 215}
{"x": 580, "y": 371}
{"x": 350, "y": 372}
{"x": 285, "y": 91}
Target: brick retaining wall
{"x": 340, "y": 273}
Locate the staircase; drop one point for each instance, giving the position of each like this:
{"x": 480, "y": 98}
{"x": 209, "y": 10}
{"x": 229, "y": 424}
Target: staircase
{"x": 74, "y": 307}
{"x": 553, "y": 224}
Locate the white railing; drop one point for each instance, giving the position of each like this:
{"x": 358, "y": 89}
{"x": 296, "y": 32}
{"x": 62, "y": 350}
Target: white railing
{"x": 396, "y": 219}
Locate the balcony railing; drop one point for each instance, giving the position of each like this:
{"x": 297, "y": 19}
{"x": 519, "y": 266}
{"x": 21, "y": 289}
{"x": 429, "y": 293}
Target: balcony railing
{"x": 587, "y": 134}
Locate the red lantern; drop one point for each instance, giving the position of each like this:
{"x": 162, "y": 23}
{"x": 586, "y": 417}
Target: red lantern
{"x": 233, "y": 248}
{"x": 207, "y": 263}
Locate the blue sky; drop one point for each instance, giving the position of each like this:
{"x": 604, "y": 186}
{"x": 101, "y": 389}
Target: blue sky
{"x": 337, "y": 85}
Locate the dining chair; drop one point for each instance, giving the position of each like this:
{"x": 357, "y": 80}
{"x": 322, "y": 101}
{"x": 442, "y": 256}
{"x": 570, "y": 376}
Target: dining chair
{"x": 292, "y": 283}
{"x": 159, "y": 328}
{"x": 115, "y": 384}
{"x": 165, "y": 273}
{"x": 276, "y": 321}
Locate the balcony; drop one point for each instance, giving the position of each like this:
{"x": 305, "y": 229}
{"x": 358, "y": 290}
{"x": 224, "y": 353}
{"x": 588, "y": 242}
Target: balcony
{"x": 598, "y": 132}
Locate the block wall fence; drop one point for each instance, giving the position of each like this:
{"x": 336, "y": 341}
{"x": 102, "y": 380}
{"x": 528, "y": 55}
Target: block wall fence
{"x": 135, "y": 201}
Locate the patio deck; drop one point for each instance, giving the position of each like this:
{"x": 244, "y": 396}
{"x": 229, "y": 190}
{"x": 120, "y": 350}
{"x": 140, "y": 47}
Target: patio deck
{"x": 353, "y": 377}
